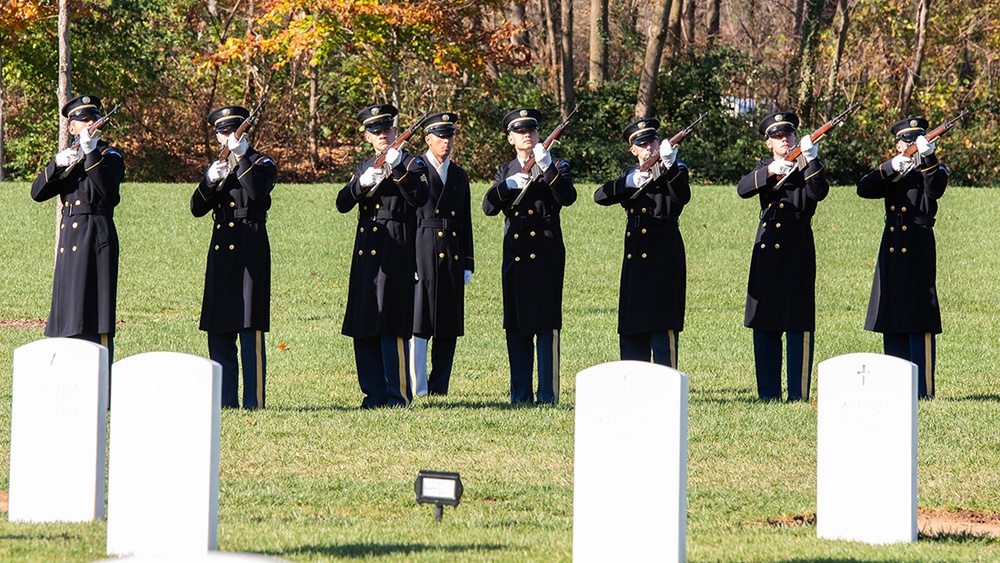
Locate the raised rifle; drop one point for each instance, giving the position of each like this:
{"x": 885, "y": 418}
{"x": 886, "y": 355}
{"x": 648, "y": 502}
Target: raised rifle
{"x": 655, "y": 157}
{"x": 936, "y": 132}
{"x": 397, "y": 144}
{"x": 546, "y": 143}
{"x": 95, "y": 127}
{"x": 249, "y": 122}
{"x": 816, "y": 135}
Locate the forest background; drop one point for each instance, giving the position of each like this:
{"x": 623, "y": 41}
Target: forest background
{"x": 169, "y": 62}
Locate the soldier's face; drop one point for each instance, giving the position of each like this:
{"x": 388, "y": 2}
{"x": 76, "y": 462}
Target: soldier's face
{"x": 76, "y": 126}
{"x": 781, "y": 143}
{"x": 223, "y": 136}
{"x": 642, "y": 151}
{"x": 523, "y": 139}
{"x": 902, "y": 145}
{"x": 380, "y": 140}
{"x": 440, "y": 147}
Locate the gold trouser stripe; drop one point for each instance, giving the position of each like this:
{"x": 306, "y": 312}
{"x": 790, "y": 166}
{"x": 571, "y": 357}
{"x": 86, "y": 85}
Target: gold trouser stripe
{"x": 401, "y": 355}
{"x": 413, "y": 364}
{"x": 672, "y": 341}
{"x": 555, "y": 365}
{"x": 104, "y": 339}
{"x": 260, "y": 369}
{"x": 806, "y": 338}
{"x": 928, "y": 364}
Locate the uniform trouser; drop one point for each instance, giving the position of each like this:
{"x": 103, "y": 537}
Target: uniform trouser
{"x": 442, "y": 360}
{"x": 767, "y": 361}
{"x": 521, "y": 352}
{"x": 383, "y": 371}
{"x": 919, "y": 348}
{"x": 222, "y": 349}
{"x": 663, "y": 345}
{"x": 108, "y": 341}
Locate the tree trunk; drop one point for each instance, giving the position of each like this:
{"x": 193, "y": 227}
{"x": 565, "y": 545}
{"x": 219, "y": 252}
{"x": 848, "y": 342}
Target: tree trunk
{"x": 520, "y": 37}
{"x": 548, "y": 12}
{"x": 599, "y": 36}
{"x": 687, "y": 23}
{"x": 566, "y": 67}
{"x": 807, "y": 56}
{"x": 65, "y": 88}
{"x": 919, "y": 44}
{"x": 797, "y": 17}
{"x": 845, "y": 24}
{"x": 712, "y": 21}
{"x": 651, "y": 62}
{"x": 674, "y": 26}
{"x": 1, "y": 111}
{"x": 314, "y": 116}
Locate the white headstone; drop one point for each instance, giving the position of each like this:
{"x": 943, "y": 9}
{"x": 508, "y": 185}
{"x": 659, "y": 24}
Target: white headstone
{"x": 57, "y": 431}
{"x": 866, "y": 474}
{"x": 630, "y": 466}
{"x": 163, "y": 472}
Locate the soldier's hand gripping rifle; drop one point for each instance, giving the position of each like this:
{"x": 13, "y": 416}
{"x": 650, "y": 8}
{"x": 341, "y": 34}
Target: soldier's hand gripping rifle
{"x": 241, "y": 131}
{"x": 95, "y": 127}
{"x": 547, "y": 143}
{"x": 655, "y": 157}
{"x": 930, "y": 136}
{"x": 816, "y": 135}
{"x": 397, "y": 144}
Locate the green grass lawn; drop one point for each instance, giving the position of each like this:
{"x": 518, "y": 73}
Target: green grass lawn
{"x": 313, "y": 478}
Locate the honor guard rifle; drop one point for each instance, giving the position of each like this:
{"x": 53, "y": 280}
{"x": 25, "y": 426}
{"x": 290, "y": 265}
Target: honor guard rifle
{"x": 655, "y": 157}
{"x": 816, "y": 136}
{"x": 547, "y": 143}
{"x": 397, "y": 144}
{"x": 241, "y": 131}
{"x": 95, "y": 127}
{"x": 930, "y": 136}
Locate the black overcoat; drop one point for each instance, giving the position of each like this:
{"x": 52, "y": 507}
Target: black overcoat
{"x": 85, "y": 282}
{"x": 534, "y": 257}
{"x": 383, "y": 264}
{"x": 781, "y": 291}
{"x": 238, "y": 273}
{"x": 652, "y": 292}
{"x": 904, "y": 290}
{"x": 444, "y": 252}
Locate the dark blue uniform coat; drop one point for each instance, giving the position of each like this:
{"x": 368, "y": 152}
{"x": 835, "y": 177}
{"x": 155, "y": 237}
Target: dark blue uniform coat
{"x": 781, "y": 291}
{"x": 383, "y": 264}
{"x": 85, "y": 283}
{"x": 238, "y": 275}
{"x": 534, "y": 257}
{"x": 904, "y": 290}
{"x": 653, "y": 280}
{"x": 444, "y": 252}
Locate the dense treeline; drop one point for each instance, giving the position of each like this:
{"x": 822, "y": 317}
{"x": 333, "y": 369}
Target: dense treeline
{"x": 168, "y": 62}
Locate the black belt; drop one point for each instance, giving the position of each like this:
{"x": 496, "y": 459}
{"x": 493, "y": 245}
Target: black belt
{"x": 240, "y": 213}
{"x": 775, "y": 213}
{"x": 443, "y": 224}
{"x": 87, "y": 209}
{"x": 900, "y": 219}
{"x": 528, "y": 222}
{"x": 647, "y": 221}
{"x": 386, "y": 215}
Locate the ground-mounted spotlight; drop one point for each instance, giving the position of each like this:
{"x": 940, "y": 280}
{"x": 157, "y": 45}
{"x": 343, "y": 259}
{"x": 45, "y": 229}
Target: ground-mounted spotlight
{"x": 439, "y": 488}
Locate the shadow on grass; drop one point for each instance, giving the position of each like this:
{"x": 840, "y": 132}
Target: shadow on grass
{"x": 445, "y": 404}
{"x": 989, "y": 398}
{"x": 723, "y": 396}
{"x": 313, "y": 408}
{"x": 365, "y": 550}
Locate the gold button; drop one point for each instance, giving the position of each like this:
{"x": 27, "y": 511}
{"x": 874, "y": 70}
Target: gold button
{"x": 437, "y": 211}
{"x": 764, "y": 225}
{"x": 74, "y": 248}
{"x": 232, "y": 204}
{"x": 75, "y": 224}
{"x": 362, "y": 229}
{"x": 232, "y": 247}
{"x": 360, "y": 252}
{"x": 892, "y": 208}
{"x": 644, "y": 230}
{"x": 903, "y": 227}
{"x": 375, "y": 229}
{"x": 454, "y": 234}
{"x": 777, "y": 246}
{"x": 232, "y": 224}
{"x": 456, "y": 258}
{"x": 452, "y": 213}
{"x": 515, "y": 236}
{"x": 643, "y": 209}
{"x": 762, "y": 245}
{"x": 532, "y": 255}
{"x": 61, "y": 250}
{"x": 440, "y": 233}
{"x": 62, "y": 226}
{"x": 781, "y": 206}
{"x": 218, "y": 226}
{"x": 903, "y": 209}
{"x": 441, "y": 255}
{"x": 218, "y": 206}
{"x": 891, "y": 249}
{"x": 631, "y": 210}
{"x": 903, "y": 250}
{"x": 517, "y": 258}
{"x": 517, "y": 213}
{"x": 532, "y": 233}
{"x": 373, "y": 252}
{"x": 531, "y": 212}
{"x": 892, "y": 229}
{"x": 643, "y": 254}
{"x": 364, "y": 208}
{"x": 77, "y": 202}
{"x": 216, "y": 247}
{"x": 777, "y": 225}
{"x": 378, "y": 206}
{"x": 629, "y": 256}
{"x": 628, "y": 233}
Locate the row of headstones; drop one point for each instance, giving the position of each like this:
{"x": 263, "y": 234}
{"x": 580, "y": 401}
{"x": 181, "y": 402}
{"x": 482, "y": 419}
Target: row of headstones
{"x": 630, "y": 466}
{"x": 163, "y": 470}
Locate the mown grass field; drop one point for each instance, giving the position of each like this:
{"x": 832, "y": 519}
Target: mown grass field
{"x": 312, "y": 478}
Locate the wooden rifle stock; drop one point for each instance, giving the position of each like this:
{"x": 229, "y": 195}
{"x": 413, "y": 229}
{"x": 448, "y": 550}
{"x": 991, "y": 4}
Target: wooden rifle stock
{"x": 935, "y": 133}
{"x": 815, "y": 136}
{"x": 547, "y": 143}
{"x": 249, "y": 122}
{"x": 401, "y": 140}
{"x": 95, "y": 127}
{"x": 674, "y": 141}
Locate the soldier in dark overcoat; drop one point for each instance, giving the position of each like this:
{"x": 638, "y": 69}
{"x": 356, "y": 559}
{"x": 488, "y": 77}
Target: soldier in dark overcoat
{"x": 87, "y": 177}
{"x": 904, "y": 302}
{"x": 237, "y": 298}
{"x": 781, "y": 291}
{"x": 534, "y": 257}
{"x": 444, "y": 259}
{"x": 652, "y": 292}
{"x": 379, "y": 314}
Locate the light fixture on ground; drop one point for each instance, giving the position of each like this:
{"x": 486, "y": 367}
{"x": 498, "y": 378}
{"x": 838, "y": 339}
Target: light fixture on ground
{"x": 439, "y": 488}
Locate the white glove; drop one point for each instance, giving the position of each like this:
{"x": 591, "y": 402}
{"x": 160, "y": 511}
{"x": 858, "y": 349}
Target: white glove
{"x": 217, "y": 172}
{"x": 371, "y": 177}
{"x": 468, "y": 276}
{"x": 638, "y": 179}
{"x": 393, "y": 157}
{"x": 518, "y": 181}
{"x": 88, "y": 143}
{"x": 925, "y": 147}
{"x": 809, "y": 148}
{"x": 781, "y": 167}
{"x": 902, "y": 164}
{"x": 668, "y": 154}
{"x": 237, "y": 146}
{"x": 542, "y": 157}
{"x": 67, "y": 157}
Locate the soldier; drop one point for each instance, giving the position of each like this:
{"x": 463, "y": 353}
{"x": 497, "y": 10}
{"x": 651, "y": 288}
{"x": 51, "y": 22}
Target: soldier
{"x": 237, "y": 298}
{"x": 87, "y": 176}
{"x": 781, "y": 291}
{"x": 904, "y": 303}
{"x": 379, "y": 314}
{"x": 651, "y": 296}
{"x": 444, "y": 259}
{"x": 534, "y": 257}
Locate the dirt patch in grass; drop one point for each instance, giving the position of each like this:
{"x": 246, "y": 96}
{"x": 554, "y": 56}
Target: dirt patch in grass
{"x": 22, "y": 323}
{"x": 931, "y": 522}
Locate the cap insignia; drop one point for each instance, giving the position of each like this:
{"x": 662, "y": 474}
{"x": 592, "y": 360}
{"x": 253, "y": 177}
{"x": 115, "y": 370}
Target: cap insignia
{"x": 446, "y": 117}
{"x": 913, "y": 123}
{"x": 86, "y": 99}
{"x": 227, "y": 111}
{"x": 642, "y": 125}
{"x": 524, "y": 113}
{"x": 374, "y": 111}
{"x": 778, "y": 117}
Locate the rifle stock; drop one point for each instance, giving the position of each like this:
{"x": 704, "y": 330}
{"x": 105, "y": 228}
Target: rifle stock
{"x": 547, "y": 143}
{"x": 242, "y": 129}
{"x": 95, "y": 127}
{"x": 401, "y": 139}
{"x": 815, "y": 136}
{"x": 936, "y": 132}
{"x": 674, "y": 141}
